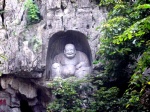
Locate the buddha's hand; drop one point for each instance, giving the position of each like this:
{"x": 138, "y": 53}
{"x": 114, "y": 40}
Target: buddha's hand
{"x": 69, "y": 70}
{"x": 81, "y": 64}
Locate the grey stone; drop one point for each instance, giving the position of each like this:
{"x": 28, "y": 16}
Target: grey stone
{"x": 50, "y": 15}
{"x": 73, "y": 1}
{"x": 16, "y": 110}
{"x": 71, "y": 63}
{"x": 25, "y": 46}
{"x": 1, "y": 4}
{"x": 4, "y": 101}
{"x": 15, "y": 102}
{"x": 33, "y": 102}
{"x": 29, "y": 75}
{"x": 27, "y": 89}
{"x": 10, "y": 91}
{"x": 15, "y": 84}
{"x": 58, "y": 15}
{"x": 3, "y": 34}
{"x": 23, "y": 87}
{"x": 52, "y": 4}
{"x": 84, "y": 3}
{"x": 64, "y": 3}
{"x": 1, "y": 25}
{"x": 86, "y": 24}
{"x": 5, "y": 82}
{"x": 5, "y": 96}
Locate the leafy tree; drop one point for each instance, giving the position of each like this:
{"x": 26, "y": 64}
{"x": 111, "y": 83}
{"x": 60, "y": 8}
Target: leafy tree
{"x": 70, "y": 95}
{"x": 125, "y": 47}
{"x": 74, "y": 95}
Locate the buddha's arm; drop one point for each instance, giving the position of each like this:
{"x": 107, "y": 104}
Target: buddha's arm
{"x": 81, "y": 64}
{"x": 83, "y": 59}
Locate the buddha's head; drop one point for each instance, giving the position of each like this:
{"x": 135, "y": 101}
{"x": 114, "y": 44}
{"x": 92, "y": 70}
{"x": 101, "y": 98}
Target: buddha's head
{"x": 70, "y": 51}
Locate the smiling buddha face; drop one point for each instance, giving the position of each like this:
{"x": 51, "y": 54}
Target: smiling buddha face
{"x": 70, "y": 51}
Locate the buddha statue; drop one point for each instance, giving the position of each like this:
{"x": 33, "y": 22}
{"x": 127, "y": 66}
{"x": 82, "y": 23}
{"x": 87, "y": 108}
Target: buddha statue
{"x": 70, "y": 63}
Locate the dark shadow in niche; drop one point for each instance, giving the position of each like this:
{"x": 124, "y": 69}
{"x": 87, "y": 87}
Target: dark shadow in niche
{"x": 1, "y": 89}
{"x": 57, "y": 43}
{"x": 24, "y": 106}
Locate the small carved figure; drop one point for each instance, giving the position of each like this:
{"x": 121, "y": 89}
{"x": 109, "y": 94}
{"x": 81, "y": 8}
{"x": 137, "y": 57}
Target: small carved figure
{"x": 29, "y": 56}
{"x": 56, "y": 70}
{"x": 71, "y": 63}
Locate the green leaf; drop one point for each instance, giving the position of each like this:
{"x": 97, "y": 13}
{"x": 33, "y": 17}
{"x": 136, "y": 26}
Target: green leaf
{"x": 144, "y": 6}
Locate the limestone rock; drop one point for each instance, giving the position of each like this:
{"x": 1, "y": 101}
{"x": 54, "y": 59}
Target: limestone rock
{"x": 5, "y": 82}
{"x": 1, "y": 24}
{"x": 25, "y": 46}
{"x": 6, "y": 97}
{"x": 54, "y": 4}
{"x": 15, "y": 102}
{"x": 29, "y": 56}
{"x": 4, "y": 102}
{"x": 29, "y": 75}
{"x": 73, "y": 1}
{"x": 15, "y": 84}
{"x": 1, "y": 4}
{"x": 27, "y": 89}
{"x": 18, "y": 85}
{"x": 33, "y": 102}
{"x": 64, "y": 3}
{"x": 16, "y": 110}
{"x": 11, "y": 91}
{"x": 84, "y": 3}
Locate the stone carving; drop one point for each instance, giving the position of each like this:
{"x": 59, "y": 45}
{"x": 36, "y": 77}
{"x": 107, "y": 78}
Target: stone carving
{"x": 70, "y": 63}
{"x": 28, "y": 54}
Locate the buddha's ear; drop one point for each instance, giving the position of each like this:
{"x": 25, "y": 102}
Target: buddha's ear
{"x": 75, "y": 50}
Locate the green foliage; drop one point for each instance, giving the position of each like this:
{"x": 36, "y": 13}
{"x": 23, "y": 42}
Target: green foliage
{"x": 36, "y": 43}
{"x": 109, "y": 2}
{"x": 70, "y": 95}
{"x": 125, "y": 47}
{"x": 74, "y": 95}
{"x": 1, "y": 12}
{"x": 105, "y": 100}
{"x": 136, "y": 31}
{"x": 32, "y": 11}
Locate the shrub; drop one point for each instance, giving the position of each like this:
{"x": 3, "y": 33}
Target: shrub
{"x": 33, "y": 14}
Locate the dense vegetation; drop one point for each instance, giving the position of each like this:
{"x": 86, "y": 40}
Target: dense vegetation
{"x": 124, "y": 81}
{"x": 125, "y": 49}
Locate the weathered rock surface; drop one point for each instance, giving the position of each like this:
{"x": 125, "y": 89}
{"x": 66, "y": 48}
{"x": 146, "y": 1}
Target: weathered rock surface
{"x": 25, "y": 46}
{"x": 24, "y": 88}
{"x": 15, "y": 90}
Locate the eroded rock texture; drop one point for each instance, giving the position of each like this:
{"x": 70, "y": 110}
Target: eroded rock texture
{"x": 23, "y": 46}
{"x": 14, "y": 91}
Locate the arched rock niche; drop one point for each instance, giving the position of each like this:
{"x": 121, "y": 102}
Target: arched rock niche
{"x": 58, "y": 41}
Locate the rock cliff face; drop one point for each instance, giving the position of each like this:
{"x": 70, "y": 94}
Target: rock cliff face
{"x": 23, "y": 45}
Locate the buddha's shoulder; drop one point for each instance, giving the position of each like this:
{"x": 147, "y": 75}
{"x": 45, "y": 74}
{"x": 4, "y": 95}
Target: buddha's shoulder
{"x": 80, "y": 53}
